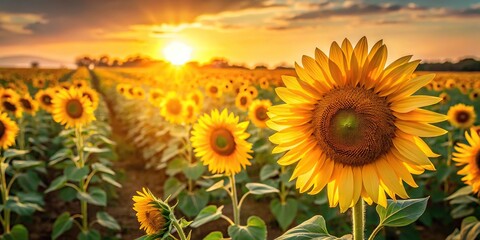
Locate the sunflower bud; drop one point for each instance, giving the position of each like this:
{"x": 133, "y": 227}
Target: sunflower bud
{"x": 153, "y": 214}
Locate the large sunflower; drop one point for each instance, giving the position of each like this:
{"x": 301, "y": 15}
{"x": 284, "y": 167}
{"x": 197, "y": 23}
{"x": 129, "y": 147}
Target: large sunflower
{"x": 172, "y": 108}
{"x": 258, "y": 112}
{"x": 8, "y": 131}
{"x": 352, "y": 124}
{"x": 44, "y": 98}
{"x": 72, "y": 109}
{"x": 152, "y": 216}
{"x": 461, "y": 116}
{"x": 219, "y": 141}
{"x": 469, "y": 157}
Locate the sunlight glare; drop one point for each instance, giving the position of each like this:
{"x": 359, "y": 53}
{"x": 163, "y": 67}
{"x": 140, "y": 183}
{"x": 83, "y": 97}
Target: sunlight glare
{"x": 177, "y": 53}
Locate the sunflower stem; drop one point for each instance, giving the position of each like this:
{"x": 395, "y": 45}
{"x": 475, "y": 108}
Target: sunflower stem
{"x": 358, "y": 217}
{"x": 21, "y": 134}
{"x": 4, "y": 189}
{"x": 236, "y": 210}
{"x": 179, "y": 229}
{"x": 449, "y": 159}
{"x": 83, "y": 187}
{"x": 375, "y": 232}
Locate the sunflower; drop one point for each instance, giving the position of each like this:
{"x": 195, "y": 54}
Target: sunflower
{"x": 258, "y": 112}
{"x": 191, "y": 111}
{"x": 219, "y": 141}
{"x": 152, "y": 214}
{"x": 91, "y": 95}
{"x": 353, "y": 125}
{"x": 138, "y": 93}
{"x": 461, "y": 116}
{"x": 39, "y": 82}
{"x": 445, "y": 98}
{"x": 8, "y": 93}
{"x": 12, "y": 106}
{"x": 44, "y": 98}
{"x": 8, "y": 131}
{"x": 213, "y": 90}
{"x": 463, "y": 87}
{"x": 121, "y": 88}
{"x": 29, "y": 105}
{"x": 474, "y": 95}
{"x": 252, "y": 91}
{"x": 72, "y": 109}
{"x": 197, "y": 97}
{"x": 172, "y": 108}
{"x": 243, "y": 101}
{"x": 450, "y": 83}
{"x": 469, "y": 156}
{"x": 154, "y": 96}
{"x": 437, "y": 86}
{"x": 78, "y": 83}
{"x": 227, "y": 87}
{"x": 264, "y": 84}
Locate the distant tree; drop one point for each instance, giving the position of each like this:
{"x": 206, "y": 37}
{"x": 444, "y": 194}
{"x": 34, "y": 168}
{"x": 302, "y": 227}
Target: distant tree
{"x": 34, "y": 64}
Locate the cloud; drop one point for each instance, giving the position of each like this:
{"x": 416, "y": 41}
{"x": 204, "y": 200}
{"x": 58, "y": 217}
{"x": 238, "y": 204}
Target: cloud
{"x": 79, "y": 20}
{"x": 19, "y": 22}
{"x": 328, "y": 10}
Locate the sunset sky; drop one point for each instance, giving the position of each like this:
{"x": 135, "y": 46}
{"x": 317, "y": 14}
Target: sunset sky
{"x": 245, "y": 31}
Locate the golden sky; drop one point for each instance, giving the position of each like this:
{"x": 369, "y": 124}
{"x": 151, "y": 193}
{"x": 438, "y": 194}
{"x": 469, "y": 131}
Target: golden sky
{"x": 246, "y": 31}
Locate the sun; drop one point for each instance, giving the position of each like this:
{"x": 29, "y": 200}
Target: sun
{"x": 177, "y": 53}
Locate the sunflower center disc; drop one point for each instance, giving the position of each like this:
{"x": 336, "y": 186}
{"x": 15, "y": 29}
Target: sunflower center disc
{"x": 462, "y": 117}
{"x": 9, "y": 106}
{"x": 261, "y": 113}
{"x": 243, "y": 101}
{"x": 2, "y": 129}
{"x": 26, "y": 104}
{"x": 47, "y": 100}
{"x": 353, "y": 126}
{"x": 173, "y": 106}
{"x": 222, "y": 142}
{"x": 74, "y": 108}
{"x": 213, "y": 89}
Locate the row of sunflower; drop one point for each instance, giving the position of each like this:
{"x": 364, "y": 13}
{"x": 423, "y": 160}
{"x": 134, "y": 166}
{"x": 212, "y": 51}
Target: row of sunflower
{"x": 53, "y": 151}
{"x": 350, "y": 125}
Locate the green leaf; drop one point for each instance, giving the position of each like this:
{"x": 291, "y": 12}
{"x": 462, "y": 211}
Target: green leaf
{"x": 255, "y": 230}
{"x": 285, "y": 212}
{"x": 313, "y": 228}
{"x": 29, "y": 181}
{"x": 216, "y": 186}
{"x": 260, "y": 188}
{"x": 194, "y": 171}
{"x": 57, "y": 184}
{"x": 76, "y": 174}
{"x": 62, "y": 224}
{"x": 217, "y": 235}
{"x": 9, "y": 153}
{"x": 22, "y": 164}
{"x": 184, "y": 223}
{"x": 172, "y": 187}
{"x": 402, "y": 212}
{"x": 91, "y": 234}
{"x": 95, "y": 196}
{"x": 175, "y": 166}
{"x": 109, "y": 179}
{"x": 102, "y": 168}
{"x": 461, "y": 211}
{"x": 18, "y": 232}
{"x": 191, "y": 203}
{"x": 22, "y": 208}
{"x": 268, "y": 171}
{"x": 467, "y": 190}
{"x": 107, "y": 221}
{"x": 208, "y": 214}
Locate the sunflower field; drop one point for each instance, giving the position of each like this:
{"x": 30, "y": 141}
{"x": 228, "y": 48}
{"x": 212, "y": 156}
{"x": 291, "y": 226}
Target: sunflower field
{"x": 343, "y": 146}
